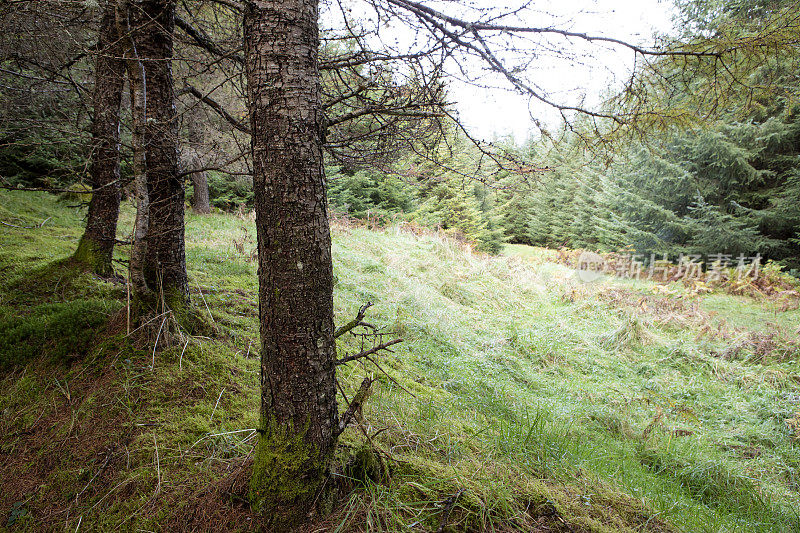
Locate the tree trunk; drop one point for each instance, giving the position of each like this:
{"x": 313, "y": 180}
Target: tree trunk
{"x": 201, "y": 201}
{"x": 164, "y": 267}
{"x": 138, "y": 90}
{"x": 96, "y": 247}
{"x": 298, "y": 397}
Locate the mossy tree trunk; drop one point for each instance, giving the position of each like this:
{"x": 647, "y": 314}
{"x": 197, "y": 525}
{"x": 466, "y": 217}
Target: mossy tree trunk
{"x": 96, "y": 247}
{"x": 163, "y": 268}
{"x": 298, "y": 397}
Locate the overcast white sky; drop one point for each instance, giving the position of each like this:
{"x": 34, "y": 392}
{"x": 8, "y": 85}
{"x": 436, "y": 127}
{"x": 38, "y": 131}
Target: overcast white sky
{"x": 498, "y": 113}
{"x": 566, "y": 71}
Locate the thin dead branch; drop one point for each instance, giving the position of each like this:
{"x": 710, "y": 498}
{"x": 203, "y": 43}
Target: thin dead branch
{"x": 367, "y": 353}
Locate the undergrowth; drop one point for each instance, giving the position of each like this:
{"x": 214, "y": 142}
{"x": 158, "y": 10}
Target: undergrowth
{"x": 520, "y": 398}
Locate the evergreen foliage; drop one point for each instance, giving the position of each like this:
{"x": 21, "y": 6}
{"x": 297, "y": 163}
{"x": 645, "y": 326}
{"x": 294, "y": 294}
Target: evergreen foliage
{"x": 728, "y": 186}
{"x": 229, "y": 193}
{"x": 449, "y": 191}
{"x": 364, "y": 192}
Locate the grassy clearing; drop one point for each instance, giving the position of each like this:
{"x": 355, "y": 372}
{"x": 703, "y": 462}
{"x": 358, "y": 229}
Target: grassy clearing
{"x": 522, "y": 399}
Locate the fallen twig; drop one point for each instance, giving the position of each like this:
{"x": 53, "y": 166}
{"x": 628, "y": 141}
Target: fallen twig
{"x": 25, "y": 227}
{"x": 447, "y": 508}
{"x": 102, "y": 467}
{"x": 216, "y": 404}
{"x": 153, "y": 365}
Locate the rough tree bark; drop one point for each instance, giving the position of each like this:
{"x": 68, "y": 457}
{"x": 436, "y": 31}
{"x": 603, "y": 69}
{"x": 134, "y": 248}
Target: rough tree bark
{"x": 165, "y": 281}
{"x": 201, "y": 203}
{"x": 298, "y": 397}
{"x": 96, "y": 247}
{"x": 138, "y": 92}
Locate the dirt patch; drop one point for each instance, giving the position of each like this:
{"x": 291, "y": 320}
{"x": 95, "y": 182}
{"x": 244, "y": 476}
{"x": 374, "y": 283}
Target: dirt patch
{"x": 218, "y": 507}
{"x": 68, "y": 455}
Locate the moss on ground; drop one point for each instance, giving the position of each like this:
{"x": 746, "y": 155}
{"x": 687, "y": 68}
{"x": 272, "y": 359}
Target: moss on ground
{"x": 542, "y": 403}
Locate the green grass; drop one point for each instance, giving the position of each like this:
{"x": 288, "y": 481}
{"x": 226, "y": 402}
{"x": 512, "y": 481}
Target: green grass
{"x": 592, "y": 407}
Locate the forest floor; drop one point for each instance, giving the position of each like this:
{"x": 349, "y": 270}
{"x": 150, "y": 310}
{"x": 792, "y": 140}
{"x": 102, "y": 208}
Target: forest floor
{"x": 520, "y": 400}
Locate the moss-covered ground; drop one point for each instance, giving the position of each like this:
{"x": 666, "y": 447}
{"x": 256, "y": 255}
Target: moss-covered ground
{"x": 520, "y": 399}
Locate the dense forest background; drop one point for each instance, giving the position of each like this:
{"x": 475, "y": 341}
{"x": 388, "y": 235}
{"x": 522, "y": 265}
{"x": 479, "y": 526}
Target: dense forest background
{"x": 722, "y": 185}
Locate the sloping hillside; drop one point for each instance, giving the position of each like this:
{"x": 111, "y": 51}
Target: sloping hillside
{"x": 520, "y": 399}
